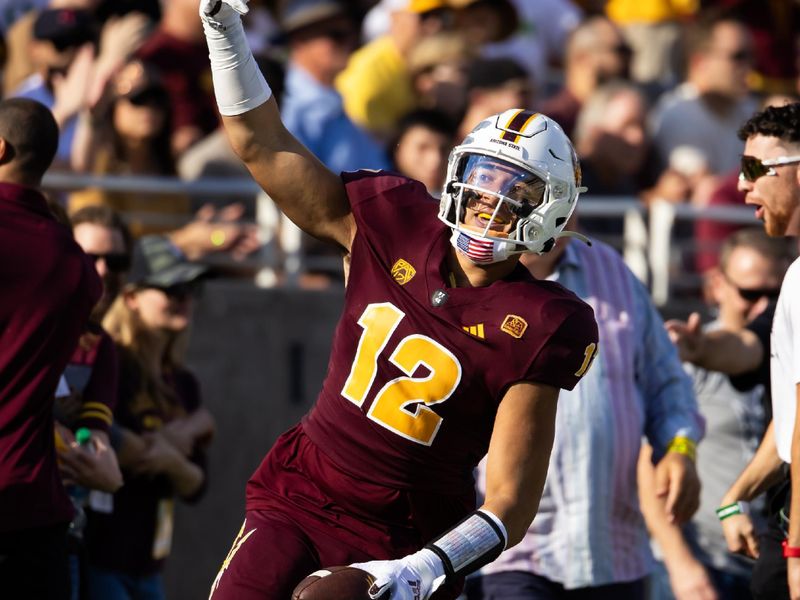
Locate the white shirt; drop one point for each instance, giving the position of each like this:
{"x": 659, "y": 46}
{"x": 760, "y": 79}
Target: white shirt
{"x": 784, "y": 363}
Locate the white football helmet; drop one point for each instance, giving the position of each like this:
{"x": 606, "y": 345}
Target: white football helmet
{"x": 525, "y": 163}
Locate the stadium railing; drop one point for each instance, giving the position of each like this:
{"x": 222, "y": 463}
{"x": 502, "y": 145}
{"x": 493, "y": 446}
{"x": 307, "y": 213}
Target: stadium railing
{"x": 649, "y": 244}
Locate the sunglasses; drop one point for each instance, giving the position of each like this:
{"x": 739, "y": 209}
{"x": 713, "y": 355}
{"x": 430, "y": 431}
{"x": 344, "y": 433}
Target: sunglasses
{"x": 755, "y": 294}
{"x": 148, "y": 97}
{"x": 116, "y": 262}
{"x": 738, "y": 56}
{"x": 752, "y": 168}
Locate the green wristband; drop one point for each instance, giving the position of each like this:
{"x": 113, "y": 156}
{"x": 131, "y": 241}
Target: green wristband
{"x": 729, "y": 510}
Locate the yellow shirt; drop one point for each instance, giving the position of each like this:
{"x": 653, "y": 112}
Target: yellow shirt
{"x": 626, "y": 12}
{"x": 376, "y": 87}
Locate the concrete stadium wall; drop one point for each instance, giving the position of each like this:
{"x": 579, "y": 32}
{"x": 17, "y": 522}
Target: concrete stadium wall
{"x": 260, "y": 356}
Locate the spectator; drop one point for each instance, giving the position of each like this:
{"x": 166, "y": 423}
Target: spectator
{"x": 774, "y": 189}
{"x": 438, "y": 66}
{"x": 752, "y": 266}
{"x": 49, "y": 288}
{"x": 131, "y": 136}
{"x": 376, "y": 85}
{"x": 62, "y": 53}
{"x": 596, "y": 53}
{"x": 705, "y": 110}
{"x": 539, "y": 41}
{"x": 589, "y": 539}
{"x": 420, "y": 149}
{"x": 91, "y": 375}
{"x": 176, "y": 49}
{"x": 612, "y": 143}
{"x": 321, "y": 36}
{"x": 653, "y": 30}
{"x": 493, "y": 86}
{"x": 164, "y": 428}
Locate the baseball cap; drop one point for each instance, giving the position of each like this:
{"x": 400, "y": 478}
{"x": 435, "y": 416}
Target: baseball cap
{"x": 297, "y": 14}
{"x": 64, "y": 27}
{"x": 157, "y": 262}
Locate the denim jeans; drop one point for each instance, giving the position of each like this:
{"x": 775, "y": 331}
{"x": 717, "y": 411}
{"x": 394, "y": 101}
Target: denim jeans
{"x": 113, "y": 585}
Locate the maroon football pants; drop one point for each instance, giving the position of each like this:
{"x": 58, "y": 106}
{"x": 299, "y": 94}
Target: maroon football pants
{"x": 307, "y": 515}
{"x": 270, "y": 557}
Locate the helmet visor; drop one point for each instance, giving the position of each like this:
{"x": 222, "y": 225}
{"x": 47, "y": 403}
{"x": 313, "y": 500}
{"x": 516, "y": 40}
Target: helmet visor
{"x": 520, "y": 189}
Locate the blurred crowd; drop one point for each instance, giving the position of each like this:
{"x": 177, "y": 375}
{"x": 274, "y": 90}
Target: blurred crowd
{"x": 651, "y": 92}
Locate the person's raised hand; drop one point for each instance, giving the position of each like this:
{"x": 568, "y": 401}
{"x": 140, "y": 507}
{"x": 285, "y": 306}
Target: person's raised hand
{"x": 687, "y": 337}
{"x": 218, "y": 13}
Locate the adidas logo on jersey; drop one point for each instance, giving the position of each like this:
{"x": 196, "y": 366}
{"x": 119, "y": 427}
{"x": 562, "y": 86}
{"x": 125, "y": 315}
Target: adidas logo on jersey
{"x": 476, "y": 330}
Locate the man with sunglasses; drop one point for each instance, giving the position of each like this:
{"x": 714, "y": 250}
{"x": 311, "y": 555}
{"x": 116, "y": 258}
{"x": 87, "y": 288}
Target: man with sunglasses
{"x": 705, "y": 110}
{"x": 745, "y": 286}
{"x": 770, "y": 179}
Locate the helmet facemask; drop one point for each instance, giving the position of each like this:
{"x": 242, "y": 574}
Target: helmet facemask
{"x": 530, "y": 192}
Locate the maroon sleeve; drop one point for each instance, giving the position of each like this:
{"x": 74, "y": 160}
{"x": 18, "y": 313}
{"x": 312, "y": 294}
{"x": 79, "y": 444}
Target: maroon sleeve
{"x": 569, "y": 351}
{"x": 100, "y": 394}
{"x": 710, "y": 234}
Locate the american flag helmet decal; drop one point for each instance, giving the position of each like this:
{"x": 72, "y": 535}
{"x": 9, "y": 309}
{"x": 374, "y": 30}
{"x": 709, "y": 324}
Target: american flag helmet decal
{"x": 478, "y": 250}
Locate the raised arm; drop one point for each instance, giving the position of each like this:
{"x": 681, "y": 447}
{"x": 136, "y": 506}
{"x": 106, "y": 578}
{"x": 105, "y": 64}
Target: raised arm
{"x": 304, "y": 189}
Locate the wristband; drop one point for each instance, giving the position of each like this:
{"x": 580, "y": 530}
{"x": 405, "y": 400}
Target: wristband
{"x": 729, "y": 510}
{"x": 474, "y": 542}
{"x": 683, "y": 445}
{"x": 790, "y": 551}
{"x": 239, "y": 85}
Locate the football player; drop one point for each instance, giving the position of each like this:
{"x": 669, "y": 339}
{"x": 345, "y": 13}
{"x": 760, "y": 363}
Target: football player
{"x": 447, "y": 348}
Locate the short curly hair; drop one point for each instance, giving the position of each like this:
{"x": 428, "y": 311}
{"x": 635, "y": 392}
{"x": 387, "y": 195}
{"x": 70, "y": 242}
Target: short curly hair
{"x": 775, "y": 121}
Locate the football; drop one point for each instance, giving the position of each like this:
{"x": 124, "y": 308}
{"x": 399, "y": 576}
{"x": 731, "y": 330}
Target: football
{"x": 335, "y": 583}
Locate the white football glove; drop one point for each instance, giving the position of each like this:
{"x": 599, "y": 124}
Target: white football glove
{"x": 219, "y": 13}
{"x": 413, "y": 577}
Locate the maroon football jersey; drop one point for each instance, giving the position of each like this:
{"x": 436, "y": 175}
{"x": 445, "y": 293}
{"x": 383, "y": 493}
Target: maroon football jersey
{"x": 418, "y": 368}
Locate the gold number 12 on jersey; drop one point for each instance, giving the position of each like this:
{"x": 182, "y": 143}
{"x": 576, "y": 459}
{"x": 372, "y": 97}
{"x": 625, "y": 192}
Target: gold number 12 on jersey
{"x": 392, "y": 407}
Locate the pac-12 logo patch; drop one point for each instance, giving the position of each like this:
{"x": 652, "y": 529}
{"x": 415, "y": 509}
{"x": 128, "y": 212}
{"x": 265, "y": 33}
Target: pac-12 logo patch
{"x": 403, "y": 272}
{"x": 514, "y": 326}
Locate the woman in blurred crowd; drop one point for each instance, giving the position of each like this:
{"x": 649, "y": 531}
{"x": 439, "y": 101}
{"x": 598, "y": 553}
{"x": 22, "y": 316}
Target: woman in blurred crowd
{"x": 129, "y": 134}
{"x": 160, "y": 427}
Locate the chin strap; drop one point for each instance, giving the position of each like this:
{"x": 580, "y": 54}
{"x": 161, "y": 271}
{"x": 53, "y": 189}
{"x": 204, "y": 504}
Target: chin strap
{"x": 576, "y": 235}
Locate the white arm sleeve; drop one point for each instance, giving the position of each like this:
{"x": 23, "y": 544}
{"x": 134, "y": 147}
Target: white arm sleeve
{"x": 238, "y": 83}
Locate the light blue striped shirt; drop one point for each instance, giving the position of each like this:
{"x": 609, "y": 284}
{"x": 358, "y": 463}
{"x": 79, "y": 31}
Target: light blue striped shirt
{"x": 589, "y": 530}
